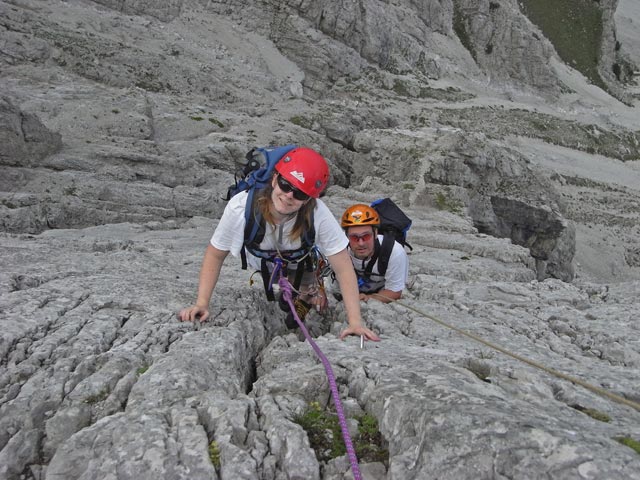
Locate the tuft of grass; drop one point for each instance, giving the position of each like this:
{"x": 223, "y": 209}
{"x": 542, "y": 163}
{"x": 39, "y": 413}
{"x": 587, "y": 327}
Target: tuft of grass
{"x": 593, "y": 413}
{"x": 369, "y": 441}
{"x": 196, "y": 118}
{"x": 323, "y": 430}
{"x": 71, "y": 191}
{"x": 214, "y": 454}
{"x": 629, "y": 442}
{"x": 142, "y": 370}
{"x": 597, "y": 415}
{"x": 301, "y": 121}
{"x": 98, "y": 397}
{"x": 325, "y": 435}
{"x": 448, "y": 204}
{"x": 401, "y": 88}
{"x": 217, "y": 122}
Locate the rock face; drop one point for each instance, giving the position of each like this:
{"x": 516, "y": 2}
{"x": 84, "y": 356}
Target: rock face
{"x": 24, "y": 138}
{"x": 123, "y": 122}
{"x": 98, "y": 376}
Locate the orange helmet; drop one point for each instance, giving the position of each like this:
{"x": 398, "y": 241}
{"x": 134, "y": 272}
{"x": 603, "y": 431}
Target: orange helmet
{"x": 305, "y": 169}
{"x": 360, "y": 214}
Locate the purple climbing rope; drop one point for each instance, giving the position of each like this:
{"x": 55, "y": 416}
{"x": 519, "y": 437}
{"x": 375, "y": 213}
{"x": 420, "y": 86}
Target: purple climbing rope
{"x": 285, "y": 288}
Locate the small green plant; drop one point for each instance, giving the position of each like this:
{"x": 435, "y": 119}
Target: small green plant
{"x": 323, "y": 430}
{"x": 401, "y": 88}
{"x": 629, "y": 442}
{"x": 301, "y": 121}
{"x": 115, "y": 110}
{"x": 325, "y": 435}
{"x": 592, "y": 412}
{"x": 196, "y": 118}
{"x": 448, "y": 204}
{"x": 142, "y": 370}
{"x": 214, "y": 454}
{"x": 98, "y": 397}
{"x": 369, "y": 441}
{"x": 217, "y": 122}
{"x": 70, "y": 191}
{"x": 597, "y": 415}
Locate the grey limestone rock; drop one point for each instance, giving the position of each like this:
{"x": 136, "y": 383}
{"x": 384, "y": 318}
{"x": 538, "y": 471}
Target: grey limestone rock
{"x": 122, "y": 123}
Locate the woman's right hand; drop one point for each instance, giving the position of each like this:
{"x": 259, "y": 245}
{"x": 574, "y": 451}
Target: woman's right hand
{"x": 193, "y": 313}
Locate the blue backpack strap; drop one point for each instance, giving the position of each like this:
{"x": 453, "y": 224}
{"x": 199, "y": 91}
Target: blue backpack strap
{"x": 309, "y": 236}
{"x": 251, "y": 227}
{"x": 253, "y": 220}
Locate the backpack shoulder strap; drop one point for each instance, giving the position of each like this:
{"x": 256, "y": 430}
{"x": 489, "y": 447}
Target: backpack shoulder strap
{"x": 374, "y": 258}
{"x": 254, "y": 225}
{"x": 385, "y": 252}
{"x": 309, "y": 236}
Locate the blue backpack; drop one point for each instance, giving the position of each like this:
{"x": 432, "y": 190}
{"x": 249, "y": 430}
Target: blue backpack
{"x": 254, "y": 176}
{"x": 258, "y": 170}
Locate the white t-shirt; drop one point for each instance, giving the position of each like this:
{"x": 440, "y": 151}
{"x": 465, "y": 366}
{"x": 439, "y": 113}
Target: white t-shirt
{"x": 229, "y": 234}
{"x": 395, "y": 277}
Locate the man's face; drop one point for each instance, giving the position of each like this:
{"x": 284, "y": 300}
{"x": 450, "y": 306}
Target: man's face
{"x": 361, "y": 241}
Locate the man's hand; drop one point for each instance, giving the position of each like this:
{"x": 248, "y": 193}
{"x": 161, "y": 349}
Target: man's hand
{"x": 193, "y": 313}
{"x": 384, "y": 296}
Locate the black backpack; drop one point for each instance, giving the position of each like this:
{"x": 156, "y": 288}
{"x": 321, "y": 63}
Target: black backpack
{"x": 394, "y": 225}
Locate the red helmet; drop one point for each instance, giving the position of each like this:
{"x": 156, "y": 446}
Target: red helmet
{"x": 305, "y": 169}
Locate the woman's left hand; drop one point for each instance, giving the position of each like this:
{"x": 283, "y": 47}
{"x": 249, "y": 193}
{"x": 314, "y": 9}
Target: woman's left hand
{"x": 359, "y": 330}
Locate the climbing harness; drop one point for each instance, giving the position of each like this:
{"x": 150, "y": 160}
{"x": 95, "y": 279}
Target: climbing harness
{"x": 285, "y": 288}
{"x": 322, "y": 269}
{"x": 551, "y": 371}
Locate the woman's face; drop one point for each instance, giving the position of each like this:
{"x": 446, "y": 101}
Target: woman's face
{"x": 285, "y": 202}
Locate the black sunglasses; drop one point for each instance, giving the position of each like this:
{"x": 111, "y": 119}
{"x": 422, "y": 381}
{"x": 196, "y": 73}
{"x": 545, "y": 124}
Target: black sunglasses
{"x": 286, "y": 187}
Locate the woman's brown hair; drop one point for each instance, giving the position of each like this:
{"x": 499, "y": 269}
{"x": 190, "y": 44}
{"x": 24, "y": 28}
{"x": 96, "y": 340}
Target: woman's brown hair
{"x": 303, "y": 216}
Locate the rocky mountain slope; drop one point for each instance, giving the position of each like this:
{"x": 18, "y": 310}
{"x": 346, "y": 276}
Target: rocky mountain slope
{"x": 513, "y": 144}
